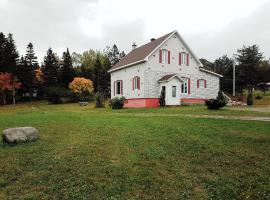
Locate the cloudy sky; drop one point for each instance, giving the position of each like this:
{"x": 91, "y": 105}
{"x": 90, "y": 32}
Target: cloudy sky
{"x": 211, "y": 27}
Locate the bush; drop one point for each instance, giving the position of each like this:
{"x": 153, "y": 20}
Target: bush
{"x": 58, "y": 95}
{"x": 99, "y": 100}
{"x": 217, "y": 103}
{"x": 258, "y": 97}
{"x": 250, "y": 99}
{"x": 162, "y": 102}
{"x": 118, "y": 103}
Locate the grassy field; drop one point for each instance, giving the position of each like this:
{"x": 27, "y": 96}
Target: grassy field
{"x": 87, "y": 153}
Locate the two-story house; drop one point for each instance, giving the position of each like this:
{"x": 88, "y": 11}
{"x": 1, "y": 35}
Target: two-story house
{"x": 166, "y": 63}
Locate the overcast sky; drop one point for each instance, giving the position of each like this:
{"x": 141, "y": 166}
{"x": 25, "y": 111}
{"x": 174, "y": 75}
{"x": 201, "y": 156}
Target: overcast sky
{"x": 211, "y": 27}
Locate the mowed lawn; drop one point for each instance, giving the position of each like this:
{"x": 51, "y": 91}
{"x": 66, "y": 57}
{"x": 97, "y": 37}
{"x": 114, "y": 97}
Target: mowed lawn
{"x": 87, "y": 153}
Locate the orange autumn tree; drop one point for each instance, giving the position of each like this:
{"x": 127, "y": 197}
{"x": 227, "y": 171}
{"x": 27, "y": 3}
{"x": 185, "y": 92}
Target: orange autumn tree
{"x": 81, "y": 86}
{"x": 8, "y": 83}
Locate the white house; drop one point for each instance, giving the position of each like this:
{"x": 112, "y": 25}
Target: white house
{"x": 165, "y": 63}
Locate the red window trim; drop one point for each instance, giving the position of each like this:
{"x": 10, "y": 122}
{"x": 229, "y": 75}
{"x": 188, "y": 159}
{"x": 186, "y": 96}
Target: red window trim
{"x": 187, "y": 59}
{"x": 180, "y": 59}
{"x": 204, "y": 83}
{"x": 198, "y": 83}
{"x": 169, "y": 56}
{"x": 138, "y": 82}
{"x": 160, "y": 56}
{"x": 188, "y": 85}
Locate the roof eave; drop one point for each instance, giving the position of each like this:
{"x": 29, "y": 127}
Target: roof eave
{"x": 210, "y": 72}
{"x": 128, "y": 65}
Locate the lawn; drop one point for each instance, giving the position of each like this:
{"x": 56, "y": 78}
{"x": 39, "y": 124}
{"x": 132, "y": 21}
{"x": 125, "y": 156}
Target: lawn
{"x": 87, "y": 153}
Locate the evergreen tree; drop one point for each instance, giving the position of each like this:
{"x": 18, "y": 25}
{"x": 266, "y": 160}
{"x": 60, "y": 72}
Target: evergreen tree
{"x": 96, "y": 74}
{"x": 249, "y": 59}
{"x": 8, "y": 54}
{"x": 30, "y": 57}
{"x": 2, "y": 52}
{"x": 67, "y": 70}
{"x": 50, "y": 69}
{"x": 113, "y": 54}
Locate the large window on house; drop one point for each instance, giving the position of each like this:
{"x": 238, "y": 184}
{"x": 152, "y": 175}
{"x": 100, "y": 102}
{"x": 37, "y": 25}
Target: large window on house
{"x": 173, "y": 91}
{"x": 184, "y": 86}
{"x": 136, "y": 83}
{"x": 165, "y": 56}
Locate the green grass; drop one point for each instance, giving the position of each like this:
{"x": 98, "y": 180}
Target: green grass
{"x": 86, "y": 153}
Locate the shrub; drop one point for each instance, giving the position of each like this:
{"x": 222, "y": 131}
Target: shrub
{"x": 162, "y": 102}
{"x": 82, "y": 88}
{"x": 217, "y": 103}
{"x": 258, "y": 97}
{"x": 250, "y": 99}
{"x": 118, "y": 103}
{"x": 58, "y": 95}
{"x": 99, "y": 100}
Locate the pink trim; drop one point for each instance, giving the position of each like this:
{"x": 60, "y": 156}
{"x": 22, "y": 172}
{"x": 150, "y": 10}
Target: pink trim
{"x": 180, "y": 59}
{"x": 204, "y": 83}
{"x": 121, "y": 87}
{"x": 188, "y": 85}
{"x": 169, "y": 57}
{"x": 187, "y": 59}
{"x": 198, "y": 83}
{"x": 142, "y": 103}
{"x": 193, "y": 100}
{"x": 139, "y": 83}
{"x": 160, "y": 56}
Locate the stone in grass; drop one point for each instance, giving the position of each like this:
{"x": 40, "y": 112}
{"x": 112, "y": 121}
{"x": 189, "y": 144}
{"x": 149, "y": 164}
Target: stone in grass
{"x": 19, "y": 135}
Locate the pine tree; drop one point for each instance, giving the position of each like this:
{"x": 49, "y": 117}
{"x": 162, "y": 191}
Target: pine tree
{"x": 2, "y": 52}
{"x": 67, "y": 70}
{"x": 8, "y": 54}
{"x": 96, "y": 74}
{"x": 114, "y": 55}
{"x": 30, "y": 57}
{"x": 50, "y": 69}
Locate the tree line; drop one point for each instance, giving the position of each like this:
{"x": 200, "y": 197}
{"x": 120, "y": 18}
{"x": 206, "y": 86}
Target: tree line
{"x": 36, "y": 79}
{"x": 251, "y": 70}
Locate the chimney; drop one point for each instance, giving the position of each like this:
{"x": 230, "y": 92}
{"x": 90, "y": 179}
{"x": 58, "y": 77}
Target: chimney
{"x": 153, "y": 39}
{"x": 134, "y": 46}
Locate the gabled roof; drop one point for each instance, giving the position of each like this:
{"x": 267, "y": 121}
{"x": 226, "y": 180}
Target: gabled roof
{"x": 142, "y": 53}
{"x": 210, "y": 72}
{"x": 169, "y": 77}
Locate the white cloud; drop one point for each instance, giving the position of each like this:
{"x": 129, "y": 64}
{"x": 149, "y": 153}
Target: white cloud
{"x": 84, "y": 24}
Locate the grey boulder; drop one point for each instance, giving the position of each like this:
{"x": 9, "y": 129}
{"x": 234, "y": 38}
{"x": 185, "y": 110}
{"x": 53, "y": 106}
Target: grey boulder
{"x": 19, "y": 135}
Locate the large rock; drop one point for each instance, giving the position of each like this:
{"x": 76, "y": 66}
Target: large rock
{"x": 20, "y": 134}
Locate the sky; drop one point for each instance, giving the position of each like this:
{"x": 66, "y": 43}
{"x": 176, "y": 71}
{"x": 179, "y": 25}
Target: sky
{"x": 212, "y": 28}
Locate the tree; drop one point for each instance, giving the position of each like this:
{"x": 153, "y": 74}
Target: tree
{"x": 10, "y": 56}
{"x": 26, "y": 70}
{"x": 81, "y": 86}
{"x": 67, "y": 71}
{"x": 249, "y": 59}
{"x": 8, "y": 83}
{"x": 50, "y": 69}
{"x": 113, "y": 54}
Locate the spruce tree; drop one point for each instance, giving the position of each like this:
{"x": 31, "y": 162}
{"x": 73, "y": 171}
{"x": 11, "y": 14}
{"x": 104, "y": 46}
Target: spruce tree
{"x": 96, "y": 74}
{"x": 30, "y": 57}
{"x": 50, "y": 69}
{"x": 67, "y": 70}
{"x": 2, "y": 52}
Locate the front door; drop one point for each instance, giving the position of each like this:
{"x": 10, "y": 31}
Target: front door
{"x": 173, "y": 95}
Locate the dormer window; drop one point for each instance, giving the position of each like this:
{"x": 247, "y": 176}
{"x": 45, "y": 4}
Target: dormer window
{"x": 164, "y": 56}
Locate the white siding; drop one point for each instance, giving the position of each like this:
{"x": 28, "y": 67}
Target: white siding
{"x": 126, "y": 76}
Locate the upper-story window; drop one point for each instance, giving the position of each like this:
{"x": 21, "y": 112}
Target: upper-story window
{"x": 184, "y": 59}
{"x": 136, "y": 83}
{"x": 164, "y": 56}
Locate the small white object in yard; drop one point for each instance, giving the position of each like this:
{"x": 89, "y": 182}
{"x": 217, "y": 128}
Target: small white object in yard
{"x": 83, "y": 103}
{"x": 19, "y": 135}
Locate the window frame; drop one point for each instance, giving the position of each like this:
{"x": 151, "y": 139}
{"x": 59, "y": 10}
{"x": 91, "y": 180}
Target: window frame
{"x": 184, "y": 86}
{"x": 136, "y": 83}
{"x": 116, "y": 87}
{"x": 174, "y": 89}
{"x": 165, "y": 56}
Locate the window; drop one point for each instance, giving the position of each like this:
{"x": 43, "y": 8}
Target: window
{"x": 118, "y": 85}
{"x": 201, "y": 83}
{"x": 164, "y": 89}
{"x": 184, "y": 59}
{"x": 164, "y": 56}
{"x": 185, "y": 86}
{"x": 173, "y": 91}
{"x": 136, "y": 83}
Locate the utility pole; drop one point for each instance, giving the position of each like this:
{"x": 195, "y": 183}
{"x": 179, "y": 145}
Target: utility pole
{"x": 234, "y": 78}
